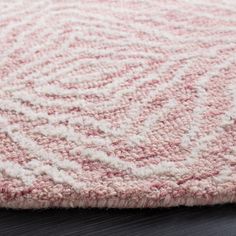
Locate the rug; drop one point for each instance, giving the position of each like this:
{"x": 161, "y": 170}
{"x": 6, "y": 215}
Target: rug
{"x": 117, "y": 103}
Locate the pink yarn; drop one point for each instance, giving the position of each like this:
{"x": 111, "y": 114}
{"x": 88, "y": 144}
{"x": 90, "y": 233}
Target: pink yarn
{"x": 117, "y": 103}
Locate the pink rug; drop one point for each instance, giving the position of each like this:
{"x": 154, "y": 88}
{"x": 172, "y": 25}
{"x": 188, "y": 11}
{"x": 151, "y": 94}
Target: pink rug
{"x": 113, "y": 103}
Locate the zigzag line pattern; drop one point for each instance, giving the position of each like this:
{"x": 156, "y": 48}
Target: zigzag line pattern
{"x": 117, "y": 103}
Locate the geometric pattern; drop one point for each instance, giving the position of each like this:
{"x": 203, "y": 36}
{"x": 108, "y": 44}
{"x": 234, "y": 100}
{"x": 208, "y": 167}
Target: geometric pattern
{"x": 117, "y": 103}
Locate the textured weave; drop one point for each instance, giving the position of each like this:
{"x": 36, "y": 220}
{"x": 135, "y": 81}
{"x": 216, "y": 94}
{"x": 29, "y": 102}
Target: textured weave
{"x": 111, "y": 103}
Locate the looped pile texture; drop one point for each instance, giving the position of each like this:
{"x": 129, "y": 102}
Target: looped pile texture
{"x": 113, "y": 103}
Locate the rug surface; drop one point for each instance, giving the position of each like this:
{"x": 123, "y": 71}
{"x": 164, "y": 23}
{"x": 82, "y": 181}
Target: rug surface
{"x": 111, "y": 103}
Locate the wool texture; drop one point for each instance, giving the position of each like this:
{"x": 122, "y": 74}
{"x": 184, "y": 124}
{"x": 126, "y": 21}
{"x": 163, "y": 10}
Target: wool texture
{"x": 117, "y": 103}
